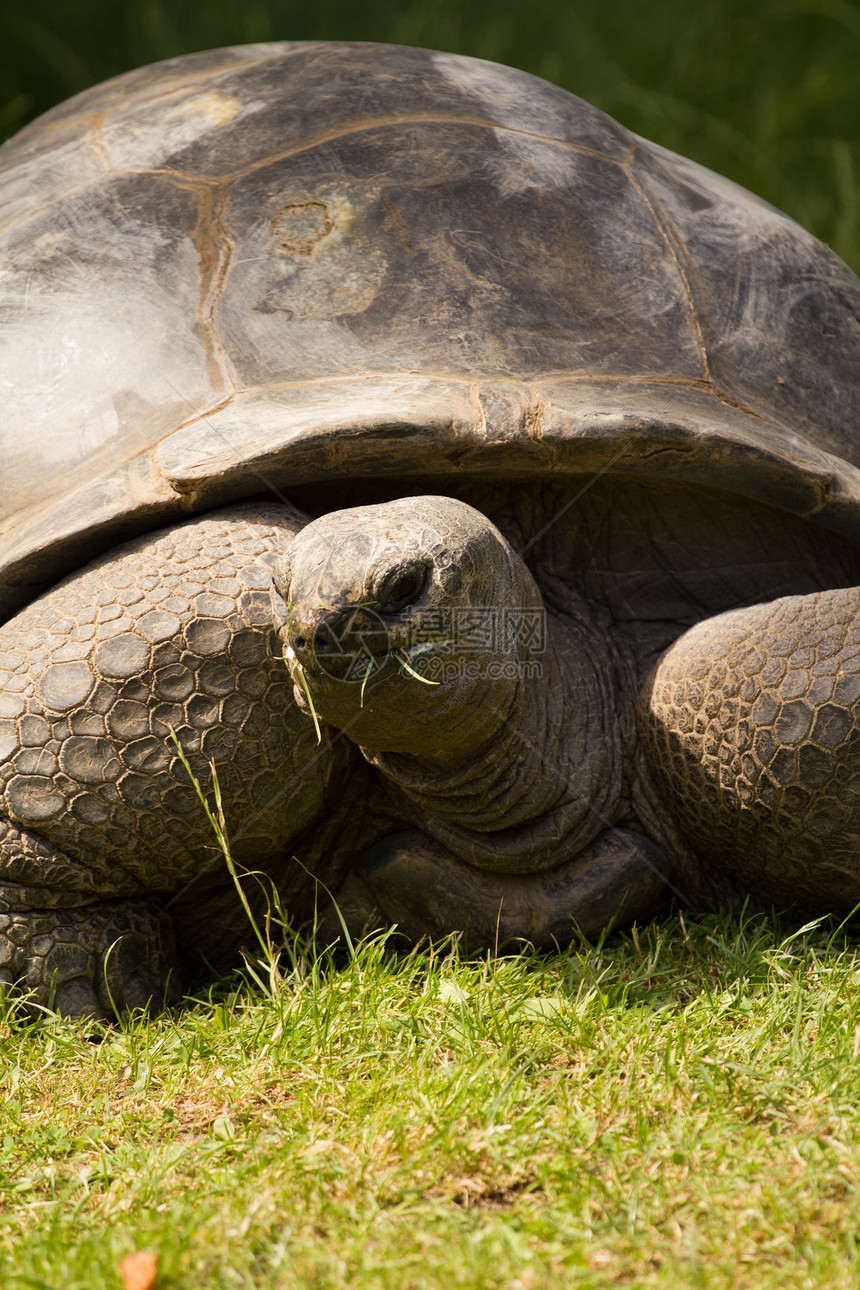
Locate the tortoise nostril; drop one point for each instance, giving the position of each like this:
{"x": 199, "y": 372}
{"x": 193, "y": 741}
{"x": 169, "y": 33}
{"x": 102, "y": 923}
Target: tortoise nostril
{"x": 299, "y": 642}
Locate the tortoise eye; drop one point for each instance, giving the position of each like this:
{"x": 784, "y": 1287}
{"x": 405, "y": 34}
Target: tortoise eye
{"x": 401, "y": 589}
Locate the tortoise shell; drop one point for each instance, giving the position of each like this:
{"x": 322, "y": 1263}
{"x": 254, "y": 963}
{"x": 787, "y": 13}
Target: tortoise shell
{"x": 274, "y": 266}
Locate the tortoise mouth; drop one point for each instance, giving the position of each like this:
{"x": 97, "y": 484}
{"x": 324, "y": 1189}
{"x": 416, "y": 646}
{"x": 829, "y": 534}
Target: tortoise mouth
{"x": 344, "y": 667}
{"x": 353, "y": 675}
{"x": 343, "y": 644}
{"x": 351, "y": 646}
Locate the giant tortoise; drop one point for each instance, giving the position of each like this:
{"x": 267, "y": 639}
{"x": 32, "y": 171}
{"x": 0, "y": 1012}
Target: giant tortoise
{"x": 471, "y": 484}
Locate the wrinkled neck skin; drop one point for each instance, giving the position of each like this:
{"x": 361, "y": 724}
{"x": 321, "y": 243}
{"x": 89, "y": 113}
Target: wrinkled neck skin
{"x": 544, "y": 780}
{"x": 514, "y": 760}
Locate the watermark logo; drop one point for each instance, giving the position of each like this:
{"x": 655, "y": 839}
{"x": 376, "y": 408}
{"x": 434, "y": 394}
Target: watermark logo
{"x": 438, "y": 668}
{"x": 479, "y": 629}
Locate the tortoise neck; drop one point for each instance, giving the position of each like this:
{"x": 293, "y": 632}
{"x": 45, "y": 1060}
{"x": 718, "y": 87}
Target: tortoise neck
{"x": 546, "y": 781}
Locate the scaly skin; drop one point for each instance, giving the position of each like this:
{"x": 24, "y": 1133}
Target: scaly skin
{"x": 172, "y": 631}
{"x": 751, "y": 727}
{"x": 409, "y": 881}
{"x": 113, "y": 956}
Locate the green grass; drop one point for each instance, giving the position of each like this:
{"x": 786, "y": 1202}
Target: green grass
{"x": 677, "y": 1107}
{"x": 765, "y": 91}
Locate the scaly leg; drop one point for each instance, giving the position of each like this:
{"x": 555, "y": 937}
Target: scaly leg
{"x": 100, "y": 825}
{"x": 750, "y": 728}
{"x": 410, "y": 880}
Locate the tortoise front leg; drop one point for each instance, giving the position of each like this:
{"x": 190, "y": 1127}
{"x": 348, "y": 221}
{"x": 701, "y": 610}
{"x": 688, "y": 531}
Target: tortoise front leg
{"x": 167, "y": 638}
{"x": 412, "y": 881}
{"x": 90, "y": 958}
{"x": 750, "y": 731}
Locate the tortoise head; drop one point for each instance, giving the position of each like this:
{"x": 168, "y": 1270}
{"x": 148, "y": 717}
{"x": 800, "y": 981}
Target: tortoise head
{"x": 403, "y": 624}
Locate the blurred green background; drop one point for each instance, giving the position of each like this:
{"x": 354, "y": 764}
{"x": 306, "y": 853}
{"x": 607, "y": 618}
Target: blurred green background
{"x": 765, "y": 91}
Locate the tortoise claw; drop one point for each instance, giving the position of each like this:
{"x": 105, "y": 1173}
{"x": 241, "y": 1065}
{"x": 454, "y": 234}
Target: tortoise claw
{"x": 76, "y": 1000}
{"x": 95, "y": 961}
